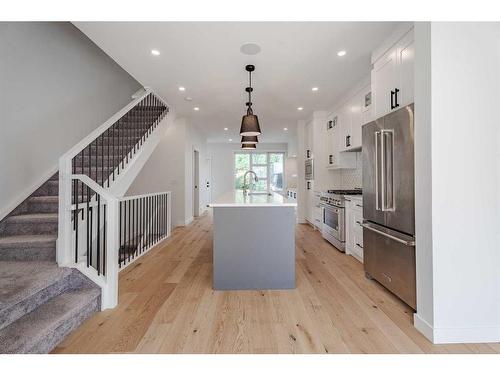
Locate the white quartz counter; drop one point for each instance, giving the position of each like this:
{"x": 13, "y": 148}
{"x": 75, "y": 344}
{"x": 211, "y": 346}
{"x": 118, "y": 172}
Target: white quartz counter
{"x": 235, "y": 198}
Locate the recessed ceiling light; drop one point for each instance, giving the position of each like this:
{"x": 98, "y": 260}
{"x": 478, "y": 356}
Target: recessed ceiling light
{"x": 341, "y": 53}
{"x": 285, "y": 129}
{"x": 225, "y": 129}
{"x": 188, "y": 98}
{"x": 315, "y": 89}
{"x": 230, "y": 139}
{"x": 196, "y": 108}
{"x": 294, "y": 156}
{"x": 250, "y": 49}
{"x": 299, "y": 108}
{"x": 182, "y": 88}
{"x": 155, "y": 52}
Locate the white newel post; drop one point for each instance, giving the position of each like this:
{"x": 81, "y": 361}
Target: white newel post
{"x": 63, "y": 249}
{"x": 110, "y": 289}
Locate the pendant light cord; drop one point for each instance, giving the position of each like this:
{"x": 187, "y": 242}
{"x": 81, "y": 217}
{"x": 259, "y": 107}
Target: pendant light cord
{"x": 250, "y": 92}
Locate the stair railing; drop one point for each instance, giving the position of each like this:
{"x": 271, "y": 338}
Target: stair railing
{"x": 91, "y": 217}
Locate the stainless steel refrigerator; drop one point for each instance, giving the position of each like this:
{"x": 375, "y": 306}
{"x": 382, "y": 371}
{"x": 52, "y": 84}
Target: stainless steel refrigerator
{"x": 389, "y": 203}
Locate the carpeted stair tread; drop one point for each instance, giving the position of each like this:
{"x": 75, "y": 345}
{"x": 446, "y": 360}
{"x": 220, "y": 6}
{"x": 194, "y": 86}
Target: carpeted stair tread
{"x": 43, "y": 328}
{"x": 42, "y": 217}
{"x": 26, "y": 285}
{"x": 27, "y": 240}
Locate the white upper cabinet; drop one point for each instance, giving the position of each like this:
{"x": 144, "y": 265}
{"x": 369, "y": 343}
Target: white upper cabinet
{"x": 406, "y": 57}
{"x": 335, "y": 137}
{"x": 392, "y": 77}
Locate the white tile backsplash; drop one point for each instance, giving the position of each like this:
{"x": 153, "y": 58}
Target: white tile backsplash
{"x": 347, "y": 178}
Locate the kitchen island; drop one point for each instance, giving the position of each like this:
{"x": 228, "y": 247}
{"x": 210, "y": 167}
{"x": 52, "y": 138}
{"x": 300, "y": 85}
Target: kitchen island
{"x": 254, "y": 241}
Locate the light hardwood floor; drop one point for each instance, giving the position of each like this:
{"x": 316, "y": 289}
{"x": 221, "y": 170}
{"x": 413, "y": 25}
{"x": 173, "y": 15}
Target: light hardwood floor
{"x": 167, "y": 305}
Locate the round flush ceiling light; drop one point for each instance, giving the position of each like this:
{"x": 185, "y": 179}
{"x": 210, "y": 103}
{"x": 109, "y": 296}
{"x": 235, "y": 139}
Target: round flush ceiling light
{"x": 182, "y": 88}
{"x": 341, "y": 53}
{"x": 196, "y": 108}
{"x": 315, "y": 89}
{"x": 299, "y": 108}
{"x": 226, "y": 129}
{"x": 285, "y": 129}
{"x": 250, "y": 49}
{"x": 188, "y": 99}
{"x": 155, "y": 52}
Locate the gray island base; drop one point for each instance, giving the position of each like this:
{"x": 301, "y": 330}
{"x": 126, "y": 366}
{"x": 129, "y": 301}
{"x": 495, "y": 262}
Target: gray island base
{"x": 254, "y": 242}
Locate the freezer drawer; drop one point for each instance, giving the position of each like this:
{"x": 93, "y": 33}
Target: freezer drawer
{"x": 389, "y": 258}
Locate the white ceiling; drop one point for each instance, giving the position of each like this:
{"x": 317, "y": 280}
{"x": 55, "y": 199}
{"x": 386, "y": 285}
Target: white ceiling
{"x": 205, "y": 58}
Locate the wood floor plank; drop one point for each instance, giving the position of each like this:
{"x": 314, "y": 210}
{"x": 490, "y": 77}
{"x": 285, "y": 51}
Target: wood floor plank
{"x": 167, "y": 305}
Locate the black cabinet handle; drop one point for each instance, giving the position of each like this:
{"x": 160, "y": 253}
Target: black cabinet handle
{"x": 330, "y": 159}
{"x": 392, "y": 100}
{"x": 357, "y": 244}
{"x": 347, "y": 141}
{"x": 396, "y": 104}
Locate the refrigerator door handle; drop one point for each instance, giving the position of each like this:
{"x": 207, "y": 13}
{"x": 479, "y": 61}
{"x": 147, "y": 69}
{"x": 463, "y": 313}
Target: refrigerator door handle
{"x": 388, "y": 172}
{"x": 382, "y": 170}
{"x": 398, "y": 238}
{"x": 377, "y": 136}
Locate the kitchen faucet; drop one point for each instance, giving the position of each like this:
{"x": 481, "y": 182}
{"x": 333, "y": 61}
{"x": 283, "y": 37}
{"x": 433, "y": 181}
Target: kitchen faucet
{"x": 245, "y": 189}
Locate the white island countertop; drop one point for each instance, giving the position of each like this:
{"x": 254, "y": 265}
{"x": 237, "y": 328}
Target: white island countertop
{"x": 235, "y": 198}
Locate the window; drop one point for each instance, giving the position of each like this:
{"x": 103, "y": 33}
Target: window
{"x": 269, "y": 167}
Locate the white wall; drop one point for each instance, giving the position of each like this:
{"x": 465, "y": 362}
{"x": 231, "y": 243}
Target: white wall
{"x": 195, "y": 141}
{"x": 170, "y": 168}
{"x": 56, "y": 87}
{"x": 462, "y": 121}
{"x": 222, "y": 163}
{"x": 291, "y": 174}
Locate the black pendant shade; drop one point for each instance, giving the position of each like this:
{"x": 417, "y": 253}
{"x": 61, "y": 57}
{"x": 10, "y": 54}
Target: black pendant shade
{"x": 249, "y": 139}
{"x": 249, "y": 146}
{"x": 250, "y": 122}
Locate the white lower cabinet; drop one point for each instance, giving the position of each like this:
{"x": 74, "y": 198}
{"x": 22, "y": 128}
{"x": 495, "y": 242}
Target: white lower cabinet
{"x": 354, "y": 230}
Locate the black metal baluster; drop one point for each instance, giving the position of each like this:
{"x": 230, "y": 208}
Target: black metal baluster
{"x": 102, "y": 160}
{"x": 134, "y": 209}
{"x": 128, "y": 242}
{"x": 82, "y": 158}
{"x": 98, "y": 233}
{"x": 108, "y": 160}
{"x": 120, "y": 236}
{"x": 105, "y": 222}
{"x": 88, "y": 227}
{"x": 91, "y": 230}
{"x": 143, "y": 224}
{"x": 75, "y": 218}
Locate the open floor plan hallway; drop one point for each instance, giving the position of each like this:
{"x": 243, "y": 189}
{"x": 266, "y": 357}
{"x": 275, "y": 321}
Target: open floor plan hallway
{"x": 167, "y": 305}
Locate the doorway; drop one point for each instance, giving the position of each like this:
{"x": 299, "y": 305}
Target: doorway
{"x": 196, "y": 183}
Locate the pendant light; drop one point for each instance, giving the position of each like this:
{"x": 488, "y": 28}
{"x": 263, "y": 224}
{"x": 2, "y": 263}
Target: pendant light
{"x": 250, "y": 122}
{"x": 249, "y": 139}
{"x": 248, "y": 146}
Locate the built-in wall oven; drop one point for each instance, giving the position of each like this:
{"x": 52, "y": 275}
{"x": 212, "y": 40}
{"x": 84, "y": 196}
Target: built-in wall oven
{"x": 309, "y": 169}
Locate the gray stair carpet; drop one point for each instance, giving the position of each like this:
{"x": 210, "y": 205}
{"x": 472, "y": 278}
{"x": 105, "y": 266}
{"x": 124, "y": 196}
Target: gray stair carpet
{"x": 40, "y": 303}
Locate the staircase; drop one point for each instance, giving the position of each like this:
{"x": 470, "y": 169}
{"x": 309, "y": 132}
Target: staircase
{"x": 41, "y": 302}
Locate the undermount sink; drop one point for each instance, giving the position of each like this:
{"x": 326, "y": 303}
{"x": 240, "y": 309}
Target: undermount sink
{"x": 259, "y": 193}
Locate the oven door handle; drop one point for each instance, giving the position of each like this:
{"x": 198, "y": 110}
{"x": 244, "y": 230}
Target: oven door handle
{"x": 396, "y": 238}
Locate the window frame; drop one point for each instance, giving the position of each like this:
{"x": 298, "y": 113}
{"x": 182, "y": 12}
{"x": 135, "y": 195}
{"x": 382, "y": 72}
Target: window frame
{"x": 267, "y": 165}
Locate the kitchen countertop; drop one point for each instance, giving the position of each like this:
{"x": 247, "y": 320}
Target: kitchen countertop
{"x": 235, "y": 198}
{"x": 355, "y": 198}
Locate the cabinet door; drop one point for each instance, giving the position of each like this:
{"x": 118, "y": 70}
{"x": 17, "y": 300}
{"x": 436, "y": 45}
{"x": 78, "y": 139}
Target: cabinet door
{"x": 406, "y": 57}
{"x": 345, "y": 122}
{"x": 356, "y": 109}
{"x": 384, "y": 81}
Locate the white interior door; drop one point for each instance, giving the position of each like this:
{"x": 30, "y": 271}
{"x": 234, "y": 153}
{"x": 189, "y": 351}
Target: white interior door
{"x": 208, "y": 181}
{"x": 196, "y": 183}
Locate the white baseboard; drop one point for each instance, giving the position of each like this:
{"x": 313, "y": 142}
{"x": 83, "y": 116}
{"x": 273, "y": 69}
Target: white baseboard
{"x": 457, "y": 335}
{"x": 423, "y": 327}
{"x": 28, "y": 191}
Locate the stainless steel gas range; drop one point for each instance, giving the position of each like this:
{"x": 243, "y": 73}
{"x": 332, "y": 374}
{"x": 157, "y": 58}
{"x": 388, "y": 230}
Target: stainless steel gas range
{"x": 333, "y": 221}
